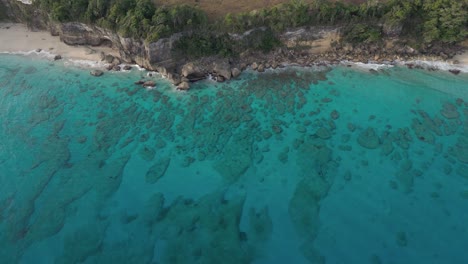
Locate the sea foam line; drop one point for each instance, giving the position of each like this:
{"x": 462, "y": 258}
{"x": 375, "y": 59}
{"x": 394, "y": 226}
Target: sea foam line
{"x": 439, "y": 65}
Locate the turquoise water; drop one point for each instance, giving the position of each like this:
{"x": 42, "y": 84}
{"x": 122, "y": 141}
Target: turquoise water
{"x": 291, "y": 166}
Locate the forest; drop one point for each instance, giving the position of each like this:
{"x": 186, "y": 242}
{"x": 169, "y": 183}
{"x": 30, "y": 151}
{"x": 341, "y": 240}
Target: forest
{"x": 426, "y": 21}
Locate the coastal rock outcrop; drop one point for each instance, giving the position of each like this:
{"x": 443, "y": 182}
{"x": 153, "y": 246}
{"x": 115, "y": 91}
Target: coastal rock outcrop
{"x": 74, "y": 33}
{"x": 96, "y": 73}
{"x": 235, "y": 72}
{"x": 184, "y": 86}
{"x": 193, "y": 72}
{"x": 223, "y": 68}
{"x": 148, "y": 84}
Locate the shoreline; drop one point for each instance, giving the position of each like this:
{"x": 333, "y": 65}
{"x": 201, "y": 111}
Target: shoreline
{"x": 16, "y": 38}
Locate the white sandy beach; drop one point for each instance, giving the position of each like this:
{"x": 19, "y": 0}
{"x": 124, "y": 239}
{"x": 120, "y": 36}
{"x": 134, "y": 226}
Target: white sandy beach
{"x": 17, "y": 38}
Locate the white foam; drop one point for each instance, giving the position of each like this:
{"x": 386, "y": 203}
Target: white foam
{"x": 439, "y": 65}
{"x": 210, "y": 78}
{"x": 368, "y": 66}
{"x": 41, "y": 54}
{"x": 85, "y": 63}
{"x": 131, "y": 65}
{"x": 151, "y": 73}
{"x": 139, "y": 67}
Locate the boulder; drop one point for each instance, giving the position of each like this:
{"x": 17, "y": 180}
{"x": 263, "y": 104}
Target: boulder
{"x": 261, "y": 68}
{"x": 174, "y": 78}
{"x": 184, "y": 86}
{"x": 454, "y": 71}
{"x": 140, "y": 82}
{"x": 116, "y": 68}
{"x": 220, "y": 79}
{"x": 96, "y": 73}
{"x": 38, "y": 50}
{"x": 223, "y": 68}
{"x": 193, "y": 72}
{"x": 57, "y": 57}
{"x": 127, "y": 67}
{"x": 235, "y": 72}
{"x": 254, "y": 66}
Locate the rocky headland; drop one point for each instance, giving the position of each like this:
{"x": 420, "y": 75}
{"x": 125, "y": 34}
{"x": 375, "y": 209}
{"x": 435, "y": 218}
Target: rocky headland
{"x": 305, "y": 46}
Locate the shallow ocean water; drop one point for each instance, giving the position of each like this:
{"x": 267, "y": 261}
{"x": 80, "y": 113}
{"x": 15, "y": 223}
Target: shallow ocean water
{"x": 314, "y": 165}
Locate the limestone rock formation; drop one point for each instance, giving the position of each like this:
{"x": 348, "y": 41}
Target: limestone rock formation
{"x": 193, "y": 72}
{"x": 222, "y": 68}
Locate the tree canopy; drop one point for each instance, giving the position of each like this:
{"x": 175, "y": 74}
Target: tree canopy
{"x": 426, "y": 20}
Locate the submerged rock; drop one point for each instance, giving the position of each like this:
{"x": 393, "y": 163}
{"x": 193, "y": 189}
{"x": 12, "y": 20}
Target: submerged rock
{"x": 449, "y": 111}
{"x": 368, "y": 139}
{"x": 304, "y": 205}
{"x": 323, "y": 133}
{"x": 96, "y": 73}
{"x": 149, "y": 84}
{"x": 157, "y": 170}
{"x": 334, "y": 115}
{"x": 461, "y": 149}
{"x": 454, "y": 71}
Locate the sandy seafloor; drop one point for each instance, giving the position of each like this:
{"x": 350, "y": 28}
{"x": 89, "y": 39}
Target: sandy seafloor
{"x": 311, "y": 165}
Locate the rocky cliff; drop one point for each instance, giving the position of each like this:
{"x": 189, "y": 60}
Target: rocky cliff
{"x": 304, "y": 46}
{"x": 152, "y": 56}
{"x": 22, "y": 11}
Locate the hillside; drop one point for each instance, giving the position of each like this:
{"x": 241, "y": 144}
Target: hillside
{"x": 219, "y": 8}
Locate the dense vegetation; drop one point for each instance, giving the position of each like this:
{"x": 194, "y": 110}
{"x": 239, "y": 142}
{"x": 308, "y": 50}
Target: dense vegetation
{"x": 131, "y": 18}
{"x": 426, "y": 20}
{"x": 3, "y": 15}
{"x": 434, "y": 20}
